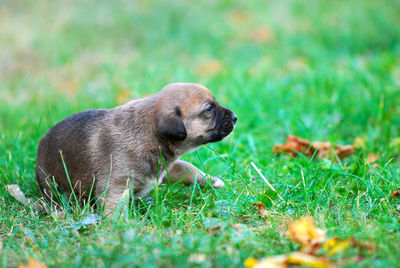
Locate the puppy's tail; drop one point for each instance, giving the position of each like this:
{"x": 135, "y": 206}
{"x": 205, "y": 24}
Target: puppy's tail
{"x": 16, "y": 192}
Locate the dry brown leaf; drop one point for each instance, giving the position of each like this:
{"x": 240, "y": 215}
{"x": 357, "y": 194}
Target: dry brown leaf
{"x": 311, "y": 239}
{"x": 305, "y": 233}
{"x": 395, "y": 194}
{"x": 261, "y": 208}
{"x": 32, "y": 263}
{"x": 295, "y": 145}
{"x": 262, "y": 34}
{"x": 209, "y": 68}
{"x": 371, "y": 158}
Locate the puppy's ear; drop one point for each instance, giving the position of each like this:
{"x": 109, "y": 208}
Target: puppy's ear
{"x": 170, "y": 125}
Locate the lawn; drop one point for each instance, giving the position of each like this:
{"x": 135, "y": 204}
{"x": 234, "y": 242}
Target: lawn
{"x": 321, "y": 70}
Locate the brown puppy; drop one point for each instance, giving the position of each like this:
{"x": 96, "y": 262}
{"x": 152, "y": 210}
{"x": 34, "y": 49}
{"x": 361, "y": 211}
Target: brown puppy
{"x": 130, "y": 145}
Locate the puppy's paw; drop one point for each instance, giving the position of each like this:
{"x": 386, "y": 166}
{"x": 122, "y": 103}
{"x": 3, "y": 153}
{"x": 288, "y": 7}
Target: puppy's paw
{"x": 217, "y": 183}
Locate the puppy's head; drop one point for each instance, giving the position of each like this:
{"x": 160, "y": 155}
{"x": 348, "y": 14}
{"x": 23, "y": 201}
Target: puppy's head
{"x": 189, "y": 114}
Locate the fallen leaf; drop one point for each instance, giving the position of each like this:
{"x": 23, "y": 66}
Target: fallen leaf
{"x": 261, "y": 208}
{"x": 250, "y": 262}
{"x": 299, "y": 258}
{"x": 16, "y": 192}
{"x": 295, "y": 145}
{"x": 308, "y": 236}
{"x": 305, "y": 233}
{"x": 371, "y": 158}
{"x": 262, "y": 34}
{"x": 272, "y": 262}
{"x": 209, "y": 68}
{"x": 340, "y": 246}
{"x": 330, "y": 243}
{"x": 32, "y": 263}
{"x": 395, "y": 194}
{"x": 359, "y": 143}
{"x": 295, "y": 258}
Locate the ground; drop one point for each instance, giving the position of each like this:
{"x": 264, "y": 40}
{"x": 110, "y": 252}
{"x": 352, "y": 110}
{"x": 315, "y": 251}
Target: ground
{"x": 321, "y": 70}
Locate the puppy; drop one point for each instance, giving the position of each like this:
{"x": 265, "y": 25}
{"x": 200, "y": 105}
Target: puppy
{"x": 134, "y": 145}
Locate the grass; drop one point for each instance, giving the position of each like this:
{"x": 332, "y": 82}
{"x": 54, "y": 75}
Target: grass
{"x": 322, "y": 70}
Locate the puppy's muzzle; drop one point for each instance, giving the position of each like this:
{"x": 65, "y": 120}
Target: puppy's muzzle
{"x": 225, "y": 123}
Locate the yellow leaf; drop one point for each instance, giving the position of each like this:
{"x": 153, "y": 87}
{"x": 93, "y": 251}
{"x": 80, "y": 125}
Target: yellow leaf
{"x": 340, "y": 246}
{"x": 330, "y": 243}
{"x": 299, "y": 258}
{"x": 278, "y": 261}
{"x": 359, "y": 142}
{"x": 250, "y": 262}
{"x": 304, "y": 232}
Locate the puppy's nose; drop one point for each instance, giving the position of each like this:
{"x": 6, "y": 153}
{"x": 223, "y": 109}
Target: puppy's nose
{"x": 234, "y": 118}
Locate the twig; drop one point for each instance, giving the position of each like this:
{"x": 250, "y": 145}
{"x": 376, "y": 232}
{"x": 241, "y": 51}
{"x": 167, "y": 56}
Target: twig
{"x": 266, "y": 181}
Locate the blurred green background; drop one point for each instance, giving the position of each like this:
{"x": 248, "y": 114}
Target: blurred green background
{"x": 322, "y": 70}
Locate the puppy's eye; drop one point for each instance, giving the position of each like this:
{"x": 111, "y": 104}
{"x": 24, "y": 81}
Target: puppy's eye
{"x": 210, "y": 109}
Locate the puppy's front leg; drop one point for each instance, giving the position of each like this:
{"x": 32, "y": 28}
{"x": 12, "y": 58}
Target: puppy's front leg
{"x": 187, "y": 173}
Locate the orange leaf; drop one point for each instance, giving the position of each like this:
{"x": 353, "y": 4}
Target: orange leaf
{"x": 295, "y": 145}
{"x": 32, "y": 263}
{"x": 371, "y": 158}
{"x": 305, "y": 233}
{"x": 261, "y": 208}
{"x": 395, "y": 194}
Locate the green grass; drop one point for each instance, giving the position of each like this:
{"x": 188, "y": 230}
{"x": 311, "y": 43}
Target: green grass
{"x": 326, "y": 70}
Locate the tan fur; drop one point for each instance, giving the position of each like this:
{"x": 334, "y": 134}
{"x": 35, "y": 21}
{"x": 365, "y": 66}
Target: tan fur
{"x": 127, "y": 146}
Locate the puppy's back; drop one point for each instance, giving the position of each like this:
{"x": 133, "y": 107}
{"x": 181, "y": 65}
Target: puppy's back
{"x": 70, "y": 138}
